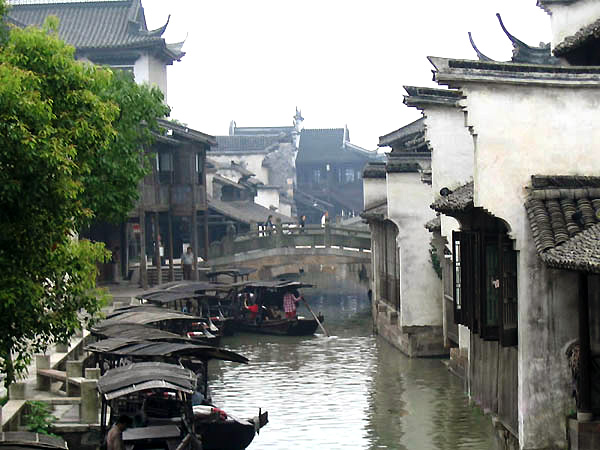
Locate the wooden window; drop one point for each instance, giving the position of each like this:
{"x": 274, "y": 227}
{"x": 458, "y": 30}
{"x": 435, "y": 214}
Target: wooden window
{"x": 491, "y": 299}
{"x": 457, "y": 291}
{"x": 164, "y": 165}
{"x": 509, "y": 311}
{"x": 485, "y": 285}
{"x": 200, "y": 168}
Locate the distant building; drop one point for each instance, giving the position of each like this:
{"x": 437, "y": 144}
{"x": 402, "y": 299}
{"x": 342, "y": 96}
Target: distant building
{"x": 172, "y": 212}
{"x": 329, "y": 174}
{"x": 112, "y": 33}
{"x": 268, "y": 154}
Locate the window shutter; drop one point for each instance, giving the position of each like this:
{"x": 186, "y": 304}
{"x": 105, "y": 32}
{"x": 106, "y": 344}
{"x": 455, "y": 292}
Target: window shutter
{"x": 457, "y": 276}
{"x": 509, "y": 302}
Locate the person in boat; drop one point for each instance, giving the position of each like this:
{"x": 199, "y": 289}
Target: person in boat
{"x": 289, "y": 304}
{"x": 114, "y": 438}
{"x": 252, "y": 309}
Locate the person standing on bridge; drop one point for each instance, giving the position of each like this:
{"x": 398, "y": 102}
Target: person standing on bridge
{"x": 289, "y": 304}
{"x": 325, "y": 219}
{"x": 187, "y": 261}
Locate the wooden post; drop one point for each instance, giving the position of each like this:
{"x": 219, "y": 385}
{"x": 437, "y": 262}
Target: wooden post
{"x": 584, "y": 410}
{"x": 205, "y": 225}
{"x": 170, "y": 231}
{"x": 143, "y": 268}
{"x": 195, "y": 243}
{"x": 157, "y": 243}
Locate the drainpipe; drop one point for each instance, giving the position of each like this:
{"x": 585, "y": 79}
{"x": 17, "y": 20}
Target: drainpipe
{"x": 584, "y": 410}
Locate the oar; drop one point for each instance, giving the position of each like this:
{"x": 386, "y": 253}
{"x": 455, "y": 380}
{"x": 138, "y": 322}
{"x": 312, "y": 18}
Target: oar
{"x": 315, "y": 316}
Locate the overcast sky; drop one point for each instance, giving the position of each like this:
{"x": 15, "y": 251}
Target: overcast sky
{"x": 340, "y": 61}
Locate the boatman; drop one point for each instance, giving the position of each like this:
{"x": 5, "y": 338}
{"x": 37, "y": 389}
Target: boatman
{"x": 289, "y": 304}
{"x": 114, "y": 438}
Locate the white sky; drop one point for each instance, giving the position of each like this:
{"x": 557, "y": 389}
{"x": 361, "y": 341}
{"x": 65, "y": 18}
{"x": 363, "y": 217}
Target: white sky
{"x": 340, "y": 61}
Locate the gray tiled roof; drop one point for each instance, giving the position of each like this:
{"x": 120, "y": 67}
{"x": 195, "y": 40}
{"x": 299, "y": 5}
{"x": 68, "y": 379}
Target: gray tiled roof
{"x": 582, "y": 37}
{"x": 96, "y": 24}
{"x": 376, "y": 211}
{"x": 327, "y": 145}
{"x": 564, "y": 216}
{"x": 421, "y": 96}
{"x": 459, "y": 200}
{"x": 246, "y": 211}
{"x": 375, "y": 169}
{"x": 243, "y": 144}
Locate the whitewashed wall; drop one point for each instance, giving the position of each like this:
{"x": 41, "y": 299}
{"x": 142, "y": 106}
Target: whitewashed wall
{"x": 566, "y": 20}
{"x": 452, "y": 160}
{"x": 267, "y": 197}
{"x": 148, "y": 69}
{"x": 374, "y": 191}
{"x": 420, "y": 288}
{"x": 539, "y": 131}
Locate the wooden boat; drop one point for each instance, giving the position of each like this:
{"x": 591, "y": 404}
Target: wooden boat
{"x": 164, "y": 319}
{"x": 160, "y": 397}
{"x": 13, "y": 440}
{"x": 268, "y": 295}
{"x": 284, "y": 327}
{"x": 203, "y": 299}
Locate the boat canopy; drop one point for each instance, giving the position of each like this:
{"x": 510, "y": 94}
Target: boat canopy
{"x": 232, "y": 272}
{"x": 119, "y": 346}
{"x": 277, "y": 284}
{"x": 146, "y": 315}
{"x": 144, "y": 376}
{"x": 29, "y": 440}
{"x": 136, "y": 332}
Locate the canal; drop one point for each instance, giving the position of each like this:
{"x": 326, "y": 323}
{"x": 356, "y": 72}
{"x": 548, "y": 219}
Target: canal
{"x": 349, "y": 391}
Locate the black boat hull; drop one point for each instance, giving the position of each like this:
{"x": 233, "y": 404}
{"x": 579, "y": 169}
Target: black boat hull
{"x": 286, "y": 327}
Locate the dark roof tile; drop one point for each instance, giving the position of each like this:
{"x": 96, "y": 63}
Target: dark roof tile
{"x": 96, "y": 24}
{"x": 328, "y": 145}
{"x": 246, "y": 211}
{"x": 244, "y": 144}
{"x": 374, "y": 170}
{"x": 460, "y": 200}
{"x": 376, "y": 211}
{"x": 564, "y": 216}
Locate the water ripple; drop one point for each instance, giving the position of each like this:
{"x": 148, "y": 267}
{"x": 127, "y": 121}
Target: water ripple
{"x": 348, "y": 391}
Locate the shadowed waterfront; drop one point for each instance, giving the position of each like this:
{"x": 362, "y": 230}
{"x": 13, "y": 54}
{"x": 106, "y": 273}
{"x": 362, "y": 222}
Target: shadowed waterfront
{"x": 351, "y": 390}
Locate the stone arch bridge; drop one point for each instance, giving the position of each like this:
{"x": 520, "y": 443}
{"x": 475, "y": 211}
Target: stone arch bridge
{"x": 328, "y": 256}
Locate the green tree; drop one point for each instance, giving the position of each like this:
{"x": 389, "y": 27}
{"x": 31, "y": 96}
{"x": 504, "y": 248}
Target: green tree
{"x": 71, "y": 151}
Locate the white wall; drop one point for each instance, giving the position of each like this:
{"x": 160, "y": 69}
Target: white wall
{"x": 452, "y": 157}
{"x": 546, "y": 130}
{"x": 566, "y": 20}
{"x": 540, "y": 131}
{"x": 148, "y": 69}
{"x": 267, "y": 197}
{"x": 420, "y": 288}
{"x": 374, "y": 191}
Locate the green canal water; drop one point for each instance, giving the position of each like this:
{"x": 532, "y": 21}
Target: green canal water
{"x": 348, "y": 391}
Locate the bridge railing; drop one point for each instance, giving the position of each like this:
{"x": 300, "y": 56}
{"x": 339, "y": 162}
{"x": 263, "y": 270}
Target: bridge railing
{"x": 292, "y": 236}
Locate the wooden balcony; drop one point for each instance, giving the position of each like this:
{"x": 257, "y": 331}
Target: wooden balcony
{"x": 180, "y": 199}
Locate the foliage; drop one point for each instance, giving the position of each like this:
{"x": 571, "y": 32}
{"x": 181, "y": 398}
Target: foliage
{"x": 39, "y": 418}
{"x": 435, "y": 260}
{"x": 71, "y": 143}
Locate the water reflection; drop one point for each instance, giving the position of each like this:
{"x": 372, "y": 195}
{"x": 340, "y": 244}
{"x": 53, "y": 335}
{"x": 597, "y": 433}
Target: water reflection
{"x": 350, "y": 391}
